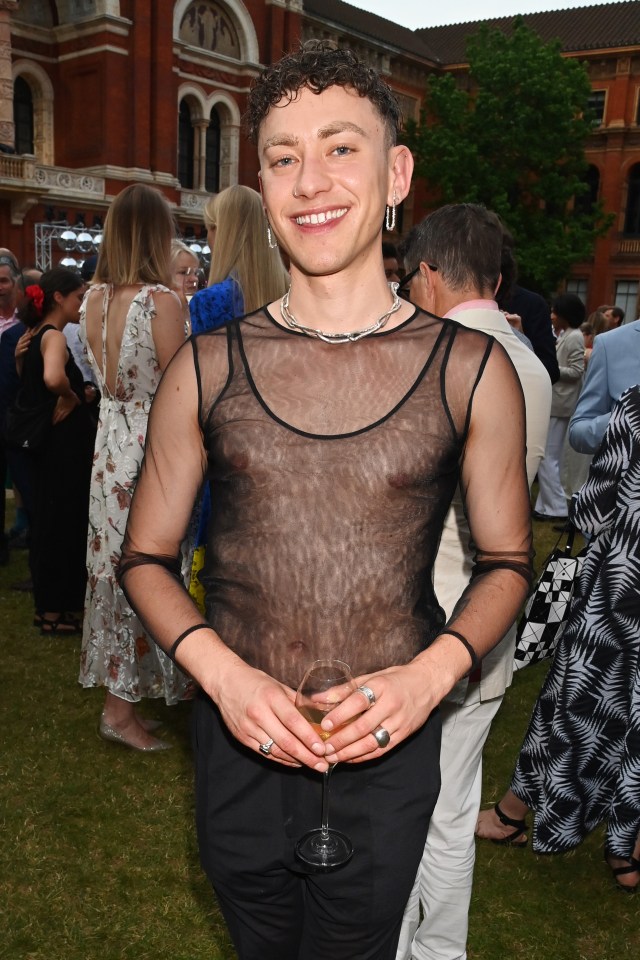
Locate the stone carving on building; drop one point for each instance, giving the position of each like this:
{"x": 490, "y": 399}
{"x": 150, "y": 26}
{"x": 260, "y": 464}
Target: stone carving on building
{"x": 193, "y": 202}
{"x": 58, "y": 179}
{"x": 208, "y": 25}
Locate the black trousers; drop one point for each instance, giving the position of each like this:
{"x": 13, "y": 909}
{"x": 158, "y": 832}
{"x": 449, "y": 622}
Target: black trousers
{"x": 250, "y": 813}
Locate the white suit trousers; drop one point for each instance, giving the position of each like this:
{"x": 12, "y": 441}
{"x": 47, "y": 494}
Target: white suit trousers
{"x": 551, "y": 496}
{"x": 444, "y": 881}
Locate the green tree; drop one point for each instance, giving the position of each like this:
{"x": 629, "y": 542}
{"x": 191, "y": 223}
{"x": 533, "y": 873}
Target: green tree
{"x": 515, "y": 141}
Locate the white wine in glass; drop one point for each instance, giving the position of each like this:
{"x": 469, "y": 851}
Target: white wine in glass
{"x": 325, "y": 684}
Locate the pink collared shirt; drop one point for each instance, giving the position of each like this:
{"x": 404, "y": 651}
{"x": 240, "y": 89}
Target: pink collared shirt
{"x": 6, "y": 322}
{"x": 472, "y": 305}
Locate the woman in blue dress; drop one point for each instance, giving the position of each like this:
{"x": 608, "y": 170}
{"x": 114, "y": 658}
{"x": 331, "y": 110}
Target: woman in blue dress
{"x": 246, "y": 272}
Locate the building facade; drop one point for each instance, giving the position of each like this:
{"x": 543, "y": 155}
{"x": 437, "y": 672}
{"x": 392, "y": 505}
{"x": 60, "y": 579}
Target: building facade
{"x": 96, "y": 94}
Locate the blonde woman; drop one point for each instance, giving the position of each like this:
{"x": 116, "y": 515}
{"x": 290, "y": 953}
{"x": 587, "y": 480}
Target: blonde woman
{"x": 185, "y": 270}
{"x": 245, "y": 271}
{"x": 132, "y": 324}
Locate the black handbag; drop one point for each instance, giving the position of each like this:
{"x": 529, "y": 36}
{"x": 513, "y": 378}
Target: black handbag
{"x": 547, "y": 609}
{"x": 28, "y": 424}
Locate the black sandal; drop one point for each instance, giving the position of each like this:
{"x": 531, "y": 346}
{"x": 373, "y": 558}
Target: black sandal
{"x": 519, "y": 827}
{"x": 633, "y": 866}
{"x": 60, "y": 627}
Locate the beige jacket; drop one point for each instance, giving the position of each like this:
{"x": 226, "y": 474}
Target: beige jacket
{"x": 454, "y": 560}
{"x": 566, "y": 390}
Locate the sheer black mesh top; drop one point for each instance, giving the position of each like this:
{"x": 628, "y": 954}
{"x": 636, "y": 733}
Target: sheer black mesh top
{"x": 331, "y": 469}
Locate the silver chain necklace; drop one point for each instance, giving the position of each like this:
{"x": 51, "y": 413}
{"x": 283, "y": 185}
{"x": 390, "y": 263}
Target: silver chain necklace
{"x": 294, "y": 324}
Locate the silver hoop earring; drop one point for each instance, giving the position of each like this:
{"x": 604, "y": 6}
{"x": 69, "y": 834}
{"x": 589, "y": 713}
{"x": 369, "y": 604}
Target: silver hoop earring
{"x": 272, "y": 243}
{"x": 390, "y": 214}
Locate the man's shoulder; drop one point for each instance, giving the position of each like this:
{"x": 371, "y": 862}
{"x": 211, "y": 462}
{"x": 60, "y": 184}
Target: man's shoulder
{"x": 620, "y": 337}
{"x": 472, "y": 330}
{"x": 574, "y": 336}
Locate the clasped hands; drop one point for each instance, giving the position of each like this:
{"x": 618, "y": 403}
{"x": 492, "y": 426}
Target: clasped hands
{"x": 258, "y": 709}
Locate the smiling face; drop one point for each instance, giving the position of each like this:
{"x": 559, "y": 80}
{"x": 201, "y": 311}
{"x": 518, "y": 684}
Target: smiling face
{"x": 185, "y": 273}
{"x": 327, "y": 174}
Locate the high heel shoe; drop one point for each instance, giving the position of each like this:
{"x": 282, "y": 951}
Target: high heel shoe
{"x": 59, "y": 626}
{"x": 632, "y": 866}
{"x": 513, "y": 839}
{"x": 107, "y": 732}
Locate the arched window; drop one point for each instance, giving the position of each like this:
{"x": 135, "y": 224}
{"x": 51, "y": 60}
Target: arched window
{"x": 186, "y": 151}
{"x": 212, "y": 162}
{"x": 23, "y": 115}
{"x": 587, "y": 200}
{"x": 632, "y": 214}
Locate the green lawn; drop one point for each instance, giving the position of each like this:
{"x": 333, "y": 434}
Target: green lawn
{"x": 98, "y": 855}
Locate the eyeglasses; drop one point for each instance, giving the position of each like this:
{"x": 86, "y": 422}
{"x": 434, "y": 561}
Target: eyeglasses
{"x": 405, "y": 283}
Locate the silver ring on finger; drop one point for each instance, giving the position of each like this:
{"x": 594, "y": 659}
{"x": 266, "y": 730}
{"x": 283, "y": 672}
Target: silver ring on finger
{"x": 265, "y": 748}
{"x": 382, "y": 736}
{"x": 369, "y": 694}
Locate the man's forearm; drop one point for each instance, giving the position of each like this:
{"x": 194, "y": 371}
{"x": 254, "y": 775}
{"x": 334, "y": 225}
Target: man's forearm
{"x": 586, "y": 433}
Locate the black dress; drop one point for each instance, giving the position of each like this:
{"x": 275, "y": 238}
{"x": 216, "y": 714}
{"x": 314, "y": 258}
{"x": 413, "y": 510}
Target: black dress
{"x": 62, "y": 472}
{"x": 580, "y": 760}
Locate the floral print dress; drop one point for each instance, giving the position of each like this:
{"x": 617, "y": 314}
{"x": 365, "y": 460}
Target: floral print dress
{"x": 117, "y": 653}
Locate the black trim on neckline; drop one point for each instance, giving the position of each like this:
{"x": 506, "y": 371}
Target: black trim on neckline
{"x": 354, "y": 433}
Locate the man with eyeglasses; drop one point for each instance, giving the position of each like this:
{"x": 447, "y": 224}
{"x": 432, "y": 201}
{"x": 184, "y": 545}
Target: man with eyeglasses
{"x": 454, "y": 259}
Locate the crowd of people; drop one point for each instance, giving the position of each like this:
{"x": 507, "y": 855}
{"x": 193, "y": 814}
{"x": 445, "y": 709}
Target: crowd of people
{"x": 328, "y": 451}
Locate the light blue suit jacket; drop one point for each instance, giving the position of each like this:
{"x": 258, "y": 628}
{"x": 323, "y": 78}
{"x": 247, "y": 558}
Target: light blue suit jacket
{"x": 614, "y": 366}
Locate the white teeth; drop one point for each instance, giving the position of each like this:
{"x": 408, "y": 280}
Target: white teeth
{"x": 322, "y": 217}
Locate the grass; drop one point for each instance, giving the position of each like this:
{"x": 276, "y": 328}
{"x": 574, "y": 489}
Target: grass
{"x": 98, "y": 859}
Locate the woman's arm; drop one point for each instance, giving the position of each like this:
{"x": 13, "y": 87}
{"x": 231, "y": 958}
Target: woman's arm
{"x": 167, "y": 327}
{"x": 55, "y": 354}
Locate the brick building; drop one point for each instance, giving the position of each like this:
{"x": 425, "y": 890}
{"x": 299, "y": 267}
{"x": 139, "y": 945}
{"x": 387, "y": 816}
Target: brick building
{"x": 607, "y": 38}
{"x": 95, "y": 94}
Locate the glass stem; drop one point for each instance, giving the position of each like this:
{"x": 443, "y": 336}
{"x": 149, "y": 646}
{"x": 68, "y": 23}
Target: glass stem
{"x": 325, "y": 802}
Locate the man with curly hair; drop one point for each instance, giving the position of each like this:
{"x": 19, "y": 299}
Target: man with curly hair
{"x": 332, "y": 427}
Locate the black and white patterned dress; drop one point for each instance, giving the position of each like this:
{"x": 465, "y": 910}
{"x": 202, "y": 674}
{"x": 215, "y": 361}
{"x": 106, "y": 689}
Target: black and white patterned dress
{"x": 580, "y": 760}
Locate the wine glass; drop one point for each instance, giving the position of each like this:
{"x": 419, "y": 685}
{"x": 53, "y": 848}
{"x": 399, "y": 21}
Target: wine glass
{"x": 190, "y": 282}
{"x": 325, "y": 684}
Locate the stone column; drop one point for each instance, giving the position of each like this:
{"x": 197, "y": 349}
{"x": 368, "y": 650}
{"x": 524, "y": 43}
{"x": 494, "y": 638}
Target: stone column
{"x": 7, "y": 130}
{"x": 201, "y": 127}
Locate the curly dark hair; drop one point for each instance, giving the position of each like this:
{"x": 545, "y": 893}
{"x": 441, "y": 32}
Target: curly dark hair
{"x": 320, "y": 64}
